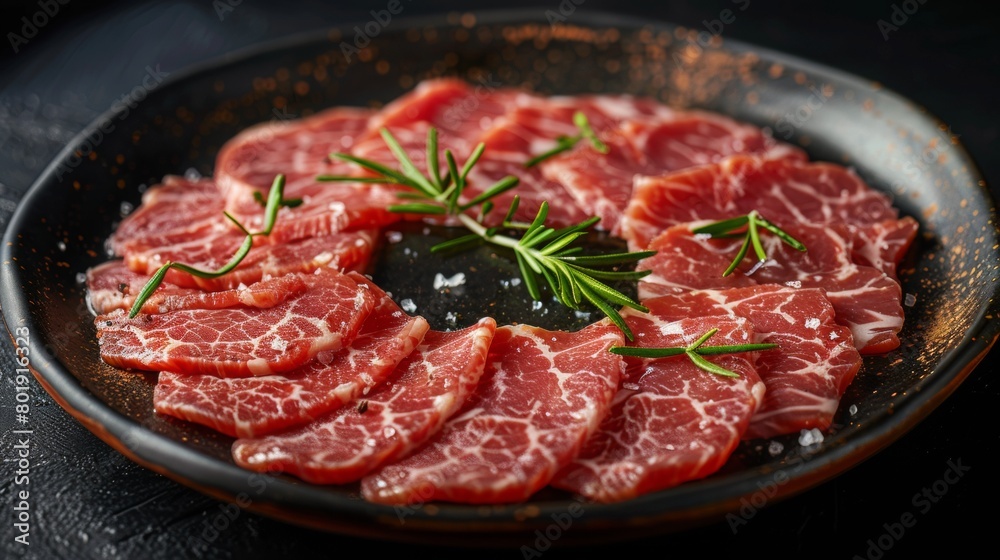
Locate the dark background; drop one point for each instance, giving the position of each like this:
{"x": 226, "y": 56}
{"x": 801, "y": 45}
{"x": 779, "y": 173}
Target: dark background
{"x": 90, "y": 502}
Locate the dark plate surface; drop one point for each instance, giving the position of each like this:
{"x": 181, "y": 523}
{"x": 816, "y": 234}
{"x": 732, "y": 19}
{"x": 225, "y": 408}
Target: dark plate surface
{"x": 179, "y": 125}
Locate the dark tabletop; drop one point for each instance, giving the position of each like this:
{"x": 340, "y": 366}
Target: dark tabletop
{"x": 88, "y": 501}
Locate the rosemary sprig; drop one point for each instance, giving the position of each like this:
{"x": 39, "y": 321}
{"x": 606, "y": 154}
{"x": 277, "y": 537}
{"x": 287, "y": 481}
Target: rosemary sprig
{"x": 565, "y": 143}
{"x": 541, "y": 251}
{"x": 753, "y": 222}
{"x": 274, "y": 203}
{"x": 694, "y": 352}
{"x": 285, "y": 202}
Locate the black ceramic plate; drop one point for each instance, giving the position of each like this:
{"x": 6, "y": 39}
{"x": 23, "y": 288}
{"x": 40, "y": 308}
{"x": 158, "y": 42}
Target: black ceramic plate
{"x": 179, "y": 125}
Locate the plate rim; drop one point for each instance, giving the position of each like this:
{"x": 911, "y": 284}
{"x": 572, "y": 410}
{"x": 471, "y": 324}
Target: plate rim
{"x": 153, "y": 450}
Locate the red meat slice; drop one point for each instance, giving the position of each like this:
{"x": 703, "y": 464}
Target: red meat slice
{"x": 300, "y": 150}
{"x": 542, "y": 395}
{"x": 240, "y": 341}
{"x": 347, "y": 251}
{"x": 783, "y": 191}
{"x": 460, "y": 111}
{"x": 532, "y": 127}
{"x": 884, "y": 244}
{"x": 183, "y": 221}
{"x": 671, "y": 422}
{"x": 517, "y": 137}
{"x": 177, "y": 209}
{"x": 112, "y": 286}
{"x": 602, "y": 183}
{"x": 395, "y": 418}
{"x": 815, "y": 362}
{"x": 865, "y": 299}
{"x": 248, "y": 407}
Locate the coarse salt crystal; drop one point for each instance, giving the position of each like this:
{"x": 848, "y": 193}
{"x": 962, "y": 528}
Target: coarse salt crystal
{"x": 810, "y": 437}
{"x": 408, "y": 305}
{"x": 775, "y": 448}
{"x": 441, "y": 282}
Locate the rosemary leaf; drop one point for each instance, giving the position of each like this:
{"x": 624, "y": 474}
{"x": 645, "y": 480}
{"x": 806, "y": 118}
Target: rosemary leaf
{"x": 581, "y": 122}
{"x": 709, "y": 366}
{"x": 528, "y": 275}
{"x": 722, "y": 226}
{"x": 432, "y": 159}
{"x": 418, "y": 208}
{"x": 274, "y": 199}
{"x": 714, "y": 350}
{"x": 357, "y": 179}
{"x": 610, "y": 313}
{"x": 695, "y": 352}
{"x": 730, "y": 228}
{"x": 782, "y": 234}
{"x": 501, "y": 186}
{"x": 739, "y": 257}
{"x": 388, "y": 175}
{"x": 609, "y": 259}
{"x": 406, "y": 164}
{"x": 755, "y": 237}
{"x": 456, "y": 244}
{"x": 563, "y": 144}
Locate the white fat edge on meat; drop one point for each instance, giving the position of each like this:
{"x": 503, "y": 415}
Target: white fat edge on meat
{"x": 817, "y": 405}
{"x": 879, "y": 323}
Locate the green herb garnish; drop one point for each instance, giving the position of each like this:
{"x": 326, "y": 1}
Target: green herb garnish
{"x": 565, "y": 143}
{"x": 274, "y": 203}
{"x": 694, "y": 352}
{"x": 753, "y": 222}
{"x": 540, "y": 251}
{"x": 285, "y": 202}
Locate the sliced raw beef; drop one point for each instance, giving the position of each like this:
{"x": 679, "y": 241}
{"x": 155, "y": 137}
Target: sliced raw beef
{"x": 671, "y": 422}
{"x": 340, "y": 251}
{"x": 532, "y": 128}
{"x": 865, "y": 299}
{"x": 176, "y": 210}
{"x": 183, "y": 221}
{"x": 684, "y": 262}
{"x": 815, "y": 360}
{"x": 112, "y": 286}
{"x": 461, "y": 112}
{"x": 884, "y": 244}
{"x": 240, "y": 341}
{"x": 300, "y": 150}
{"x": 542, "y": 395}
{"x": 248, "y": 407}
{"x": 602, "y": 183}
{"x": 698, "y": 138}
{"x": 517, "y": 137}
{"x": 783, "y": 191}
{"x": 333, "y": 208}
{"x": 387, "y": 423}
